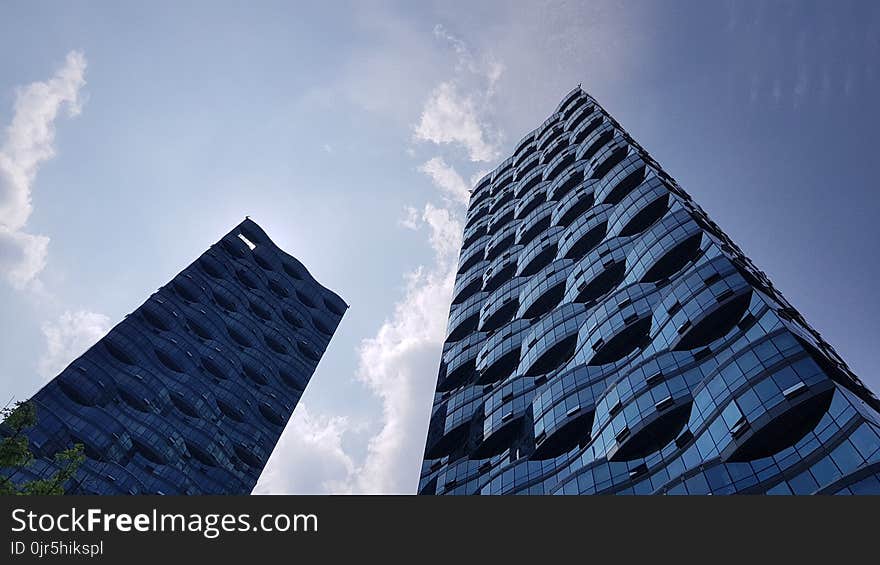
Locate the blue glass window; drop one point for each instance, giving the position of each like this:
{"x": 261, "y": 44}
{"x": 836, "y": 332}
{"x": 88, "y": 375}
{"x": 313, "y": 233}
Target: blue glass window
{"x": 865, "y": 440}
{"x": 825, "y": 471}
{"x": 803, "y": 483}
{"x": 780, "y": 489}
{"x": 846, "y": 457}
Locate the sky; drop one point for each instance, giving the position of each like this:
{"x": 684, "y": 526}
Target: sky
{"x": 134, "y": 135}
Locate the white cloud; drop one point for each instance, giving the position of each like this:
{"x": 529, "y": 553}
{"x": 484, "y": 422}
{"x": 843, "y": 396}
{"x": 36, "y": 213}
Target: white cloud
{"x": 399, "y": 363}
{"x": 494, "y": 70}
{"x": 446, "y": 229}
{"x": 447, "y": 179}
{"x": 22, "y": 256}
{"x": 309, "y": 457}
{"x": 452, "y": 117}
{"x": 412, "y": 218}
{"x": 68, "y": 337}
{"x": 457, "y": 110}
{"x": 28, "y": 142}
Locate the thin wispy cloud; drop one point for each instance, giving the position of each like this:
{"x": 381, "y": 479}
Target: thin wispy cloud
{"x": 487, "y": 66}
{"x": 789, "y": 56}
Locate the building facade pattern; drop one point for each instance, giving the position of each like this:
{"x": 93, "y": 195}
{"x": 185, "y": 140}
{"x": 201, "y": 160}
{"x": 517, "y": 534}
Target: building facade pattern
{"x": 606, "y": 337}
{"x": 190, "y": 392}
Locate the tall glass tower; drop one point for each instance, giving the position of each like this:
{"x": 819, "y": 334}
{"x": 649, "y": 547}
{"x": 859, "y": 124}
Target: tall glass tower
{"x": 190, "y": 392}
{"x": 606, "y": 336}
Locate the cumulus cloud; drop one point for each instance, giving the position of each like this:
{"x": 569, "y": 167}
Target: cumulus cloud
{"x": 453, "y": 117}
{"x": 68, "y": 337}
{"x": 22, "y": 256}
{"x": 445, "y": 233}
{"x": 457, "y": 110}
{"x": 314, "y": 443}
{"x": 28, "y": 142}
{"x": 411, "y": 219}
{"x": 399, "y": 363}
{"x": 447, "y": 179}
{"x": 399, "y": 366}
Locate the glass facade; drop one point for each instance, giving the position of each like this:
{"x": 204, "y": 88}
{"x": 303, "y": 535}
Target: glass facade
{"x": 606, "y": 337}
{"x": 190, "y": 392}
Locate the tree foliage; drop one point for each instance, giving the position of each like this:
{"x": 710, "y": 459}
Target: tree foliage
{"x": 15, "y": 454}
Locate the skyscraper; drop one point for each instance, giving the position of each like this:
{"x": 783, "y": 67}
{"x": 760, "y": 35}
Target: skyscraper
{"x": 190, "y": 392}
{"x": 606, "y": 336}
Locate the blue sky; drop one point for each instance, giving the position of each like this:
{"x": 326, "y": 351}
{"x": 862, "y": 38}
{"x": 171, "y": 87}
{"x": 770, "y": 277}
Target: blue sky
{"x": 136, "y": 134}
